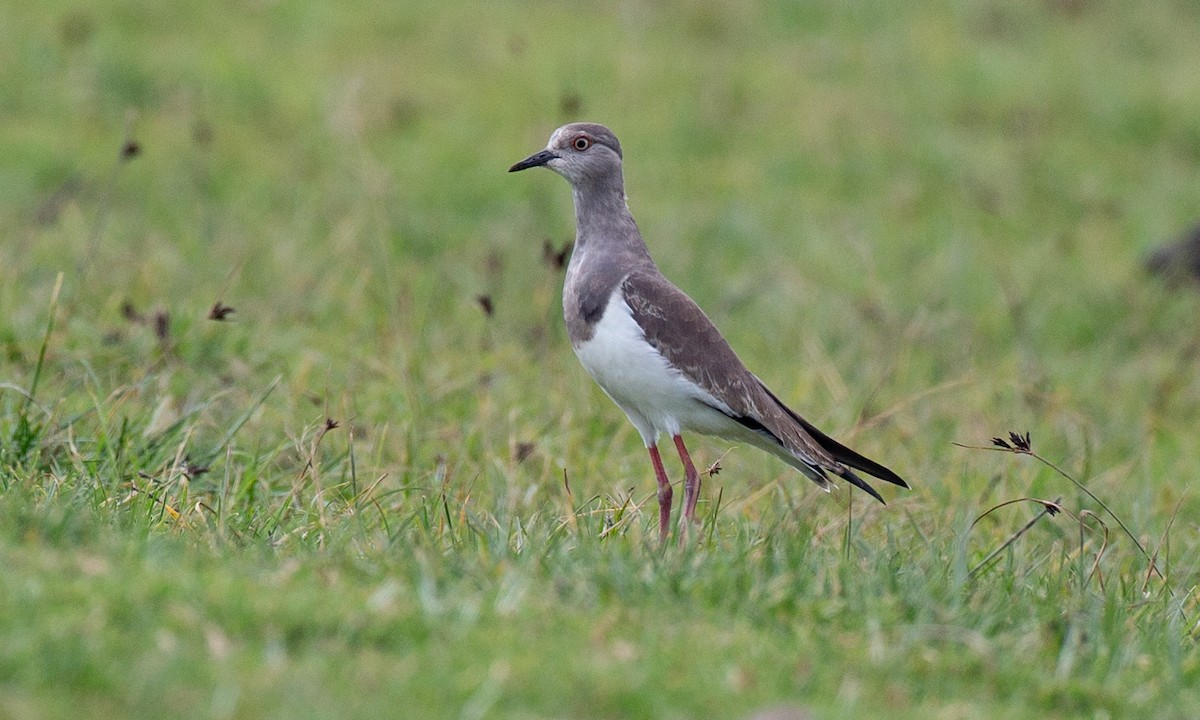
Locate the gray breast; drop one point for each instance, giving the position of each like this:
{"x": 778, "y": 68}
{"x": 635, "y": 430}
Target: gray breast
{"x": 590, "y": 283}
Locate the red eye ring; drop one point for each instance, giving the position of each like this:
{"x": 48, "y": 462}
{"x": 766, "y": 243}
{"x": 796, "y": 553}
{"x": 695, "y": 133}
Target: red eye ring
{"x": 581, "y": 142}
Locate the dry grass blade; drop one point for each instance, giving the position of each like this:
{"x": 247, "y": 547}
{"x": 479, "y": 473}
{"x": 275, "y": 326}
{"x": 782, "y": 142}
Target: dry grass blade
{"x": 1052, "y": 507}
{"x": 1099, "y": 553}
{"x": 1048, "y": 508}
{"x": 1151, "y": 568}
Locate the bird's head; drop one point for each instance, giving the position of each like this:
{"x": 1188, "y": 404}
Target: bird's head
{"x": 580, "y": 152}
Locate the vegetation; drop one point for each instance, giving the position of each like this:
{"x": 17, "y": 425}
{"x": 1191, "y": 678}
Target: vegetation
{"x": 289, "y": 426}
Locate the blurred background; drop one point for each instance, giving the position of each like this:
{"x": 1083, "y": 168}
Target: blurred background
{"x": 304, "y": 306}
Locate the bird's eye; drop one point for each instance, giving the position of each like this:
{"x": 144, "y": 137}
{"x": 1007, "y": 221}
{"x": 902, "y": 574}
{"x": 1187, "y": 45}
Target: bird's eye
{"x": 581, "y": 143}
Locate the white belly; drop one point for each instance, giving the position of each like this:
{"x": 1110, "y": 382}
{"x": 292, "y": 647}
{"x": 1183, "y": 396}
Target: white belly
{"x": 656, "y": 397}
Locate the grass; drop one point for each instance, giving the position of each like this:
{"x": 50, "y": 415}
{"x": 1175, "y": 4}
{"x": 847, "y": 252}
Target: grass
{"x": 360, "y": 495}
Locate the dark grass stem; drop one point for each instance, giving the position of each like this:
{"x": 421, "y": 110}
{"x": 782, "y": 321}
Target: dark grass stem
{"x": 849, "y": 523}
{"x": 41, "y": 361}
{"x": 1102, "y": 504}
{"x": 1021, "y": 446}
{"x": 1048, "y": 508}
{"x": 1162, "y": 542}
{"x": 1051, "y": 508}
{"x": 25, "y": 432}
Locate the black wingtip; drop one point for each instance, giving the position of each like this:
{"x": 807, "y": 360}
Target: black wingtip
{"x": 850, "y": 457}
{"x": 861, "y": 484}
{"x": 840, "y": 452}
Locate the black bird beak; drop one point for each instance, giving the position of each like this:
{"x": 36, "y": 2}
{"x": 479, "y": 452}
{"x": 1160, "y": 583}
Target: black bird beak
{"x": 534, "y": 160}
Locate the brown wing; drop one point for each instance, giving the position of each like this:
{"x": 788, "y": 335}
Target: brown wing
{"x": 676, "y": 326}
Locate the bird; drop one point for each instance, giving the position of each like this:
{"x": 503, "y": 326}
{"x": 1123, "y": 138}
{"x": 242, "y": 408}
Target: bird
{"x": 651, "y": 348}
{"x": 1178, "y": 261}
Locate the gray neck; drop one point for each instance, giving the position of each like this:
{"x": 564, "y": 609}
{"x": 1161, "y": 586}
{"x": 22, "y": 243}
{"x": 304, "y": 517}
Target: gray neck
{"x": 602, "y": 219}
{"x": 608, "y": 247}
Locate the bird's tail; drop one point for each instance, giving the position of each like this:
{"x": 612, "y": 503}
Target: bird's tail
{"x": 844, "y": 455}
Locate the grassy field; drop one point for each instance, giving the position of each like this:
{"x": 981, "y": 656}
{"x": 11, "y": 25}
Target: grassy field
{"x": 361, "y": 495}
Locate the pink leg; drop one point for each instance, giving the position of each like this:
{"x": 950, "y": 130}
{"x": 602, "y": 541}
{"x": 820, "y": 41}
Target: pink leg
{"x": 691, "y": 483}
{"x": 664, "y": 494}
